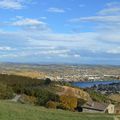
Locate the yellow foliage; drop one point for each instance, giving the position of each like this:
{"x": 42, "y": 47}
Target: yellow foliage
{"x": 51, "y": 104}
{"x": 68, "y": 102}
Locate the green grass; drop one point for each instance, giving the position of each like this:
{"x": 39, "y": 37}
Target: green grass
{"x": 15, "y": 111}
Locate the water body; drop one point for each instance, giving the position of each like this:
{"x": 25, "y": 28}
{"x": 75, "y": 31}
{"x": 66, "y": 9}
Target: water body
{"x": 92, "y": 83}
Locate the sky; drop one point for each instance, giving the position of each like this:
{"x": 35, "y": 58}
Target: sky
{"x": 60, "y": 31}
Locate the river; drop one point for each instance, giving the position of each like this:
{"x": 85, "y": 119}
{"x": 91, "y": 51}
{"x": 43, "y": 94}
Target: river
{"x": 92, "y": 83}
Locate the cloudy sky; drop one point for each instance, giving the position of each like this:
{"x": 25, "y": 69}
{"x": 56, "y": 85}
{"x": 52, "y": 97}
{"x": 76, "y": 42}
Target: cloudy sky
{"x": 60, "y": 31}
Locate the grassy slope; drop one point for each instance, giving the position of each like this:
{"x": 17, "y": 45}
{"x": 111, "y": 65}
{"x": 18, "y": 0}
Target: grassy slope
{"x": 15, "y": 111}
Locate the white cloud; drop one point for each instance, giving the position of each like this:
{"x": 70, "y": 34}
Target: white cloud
{"x": 67, "y": 46}
{"x": 9, "y": 56}
{"x": 77, "y": 56}
{"x": 27, "y": 22}
{"x": 110, "y": 14}
{"x": 56, "y": 10}
{"x": 113, "y": 4}
{"x": 52, "y": 52}
{"x": 107, "y": 19}
{"x": 5, "y": 48}
{"x": 114, "y": 10}
{"x": 107, "y": 25}
{"x": 53, "y": 45}
{"x": 12, "y": 4}
{"x": 114, "y": 50}
{"x": 44, "y": 18}
{"x": 110, "y": 36}
{"x": 40, "y": 48}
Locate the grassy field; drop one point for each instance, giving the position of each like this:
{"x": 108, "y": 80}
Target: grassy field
{"x": 15, "y": 111}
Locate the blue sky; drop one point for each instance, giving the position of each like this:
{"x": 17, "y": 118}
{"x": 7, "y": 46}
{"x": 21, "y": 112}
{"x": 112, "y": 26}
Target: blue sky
{"x": 60, "y": 31}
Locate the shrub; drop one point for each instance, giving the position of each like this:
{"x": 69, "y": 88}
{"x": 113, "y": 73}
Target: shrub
{"x": 5, "y": 91}
{"x": 44, "y": 96}
{"x": 25, "y": 99}
{"x": 19, "y": 89}
{"x": 47, "y": 81}
{"x": 29, "y": 91}
{"x": 51, "y": 104}
{"x": 68, "y": 102}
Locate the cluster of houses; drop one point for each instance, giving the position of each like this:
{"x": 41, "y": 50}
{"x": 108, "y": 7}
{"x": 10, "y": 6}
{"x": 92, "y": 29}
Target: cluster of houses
{"x": 79, "y": 77}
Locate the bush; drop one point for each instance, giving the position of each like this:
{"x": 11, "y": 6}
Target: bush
{"x": 28, "y": 99}
{"x": 68, "y": 102}
{"x": 19, "y": 89}
{"x": 5, "y": 91}
{"x": 51, "y": 104}
{"x": 19, "y": 83}
{"x": 47, "y": 81}
{"x": 30, "y": 91}
{"x": 43, "y": 96}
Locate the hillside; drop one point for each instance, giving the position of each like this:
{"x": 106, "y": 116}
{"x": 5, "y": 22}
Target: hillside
{"x": 77, "y": 92}
{"x": 14, "y": 111}
{"x": 115, "y": 97}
